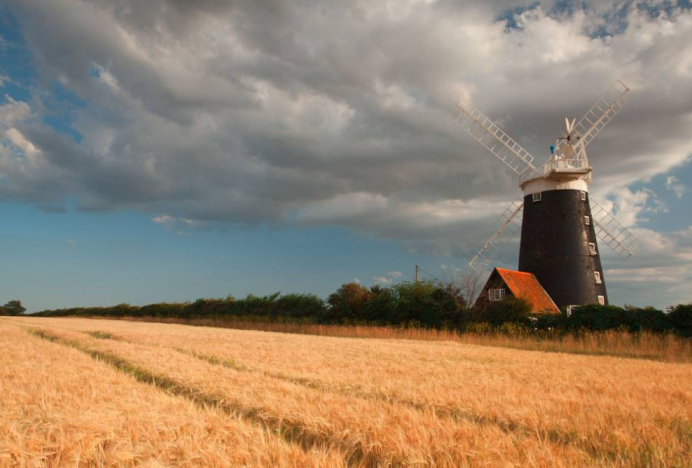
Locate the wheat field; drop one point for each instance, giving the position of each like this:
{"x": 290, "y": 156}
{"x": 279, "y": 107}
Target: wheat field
{"x": 79, "y": 392}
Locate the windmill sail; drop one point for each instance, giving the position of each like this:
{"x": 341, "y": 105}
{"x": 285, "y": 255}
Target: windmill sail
{"x": 492, "y": 137}
{"x": 599, "y": 115}
{"x": 614, "y": 234}
{"x": 503, "y": 230}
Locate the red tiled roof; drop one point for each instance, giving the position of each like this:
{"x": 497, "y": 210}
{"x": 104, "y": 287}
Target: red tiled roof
{"x": 526, "y": 286}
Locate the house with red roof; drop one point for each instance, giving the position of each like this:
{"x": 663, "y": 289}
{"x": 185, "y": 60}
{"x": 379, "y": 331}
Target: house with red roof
{"x": 504, "y": 283}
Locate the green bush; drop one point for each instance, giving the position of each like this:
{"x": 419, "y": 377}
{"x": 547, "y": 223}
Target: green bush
{"x": 649, "y": 319}
{"x": 599, "y": 317}
{"x": 299, "y": 306}
{"x": 431, "y": 304}
{"x": 609, "y": 317}
{"x": 162, "y": 309}
{"x": 680, "y": 317}
{"x": 509, "y": 310}
{"x": 548, "y": 322}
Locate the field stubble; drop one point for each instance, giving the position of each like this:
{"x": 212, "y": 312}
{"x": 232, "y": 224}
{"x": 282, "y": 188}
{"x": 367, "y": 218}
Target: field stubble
{"x": 401, "y": 403}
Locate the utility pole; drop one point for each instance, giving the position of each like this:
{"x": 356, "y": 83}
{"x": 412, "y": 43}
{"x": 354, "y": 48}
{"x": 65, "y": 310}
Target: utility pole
{"x": 417, "y": 269}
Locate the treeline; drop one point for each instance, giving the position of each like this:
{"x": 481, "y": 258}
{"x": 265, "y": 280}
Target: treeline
{"x": 12, "y": 308}
{"x": 424, "y": 304}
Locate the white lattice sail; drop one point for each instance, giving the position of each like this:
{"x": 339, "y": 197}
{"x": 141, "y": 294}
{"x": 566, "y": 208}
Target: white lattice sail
{"x": 493, "y": 138}
{"x": 503, "y": 231}
{"x": 599, "y": 115}
{"x": 613, "y": 233}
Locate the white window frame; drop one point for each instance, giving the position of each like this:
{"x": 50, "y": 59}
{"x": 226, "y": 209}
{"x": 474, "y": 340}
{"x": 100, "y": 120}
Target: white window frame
{"x": 601, "y": 300}
{"x": 496, "y": 294}
{"x": 597, "y": 277}
{"x": 582, "y": 195}
{"x": 536, "y": 197}
{"x": 587, "y": 220}
{"x": 592, "y": 249}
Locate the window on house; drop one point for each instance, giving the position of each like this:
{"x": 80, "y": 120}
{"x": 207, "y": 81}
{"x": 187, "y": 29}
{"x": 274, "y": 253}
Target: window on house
{"x": 592, "y": 249}
{"x": 587, "y": 220}
{"x": 496, "y": 294}
{"x": 536, "y": 197}
{"x": 601, "y": 300}
{"x": 597, "y": 277}
{"x": 583, "y": 195}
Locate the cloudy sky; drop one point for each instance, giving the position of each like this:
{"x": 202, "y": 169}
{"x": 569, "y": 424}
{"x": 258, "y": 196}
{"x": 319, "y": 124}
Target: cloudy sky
{"x": 167, "y": 150}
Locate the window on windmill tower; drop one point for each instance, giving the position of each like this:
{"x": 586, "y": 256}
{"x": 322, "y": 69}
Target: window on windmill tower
{"x": 592, "y": 249}
{"x": 583, "y": 195}
{"x": 496, "y": 294}
{"x": 597, "y": 277}
{"x": 601, "y": 300}
{"x": 587, "y": 220}
{"x": 536, "y": 197}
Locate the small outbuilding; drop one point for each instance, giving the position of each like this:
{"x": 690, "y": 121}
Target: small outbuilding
{"x": 503, "y": 283}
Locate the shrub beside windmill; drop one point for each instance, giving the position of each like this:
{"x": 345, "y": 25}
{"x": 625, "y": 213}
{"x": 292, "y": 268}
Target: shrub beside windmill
{"x": 558, "y": 220}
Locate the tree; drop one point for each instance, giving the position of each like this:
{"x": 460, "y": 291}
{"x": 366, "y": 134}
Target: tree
{"x": 12, "y": 308}
{"x": 469, "y": 286}
{"x": 414, "y": 303}
{"x": 379, "y": 306}
{"x": 681, "y": 318}
{"x": 346, "y": 304}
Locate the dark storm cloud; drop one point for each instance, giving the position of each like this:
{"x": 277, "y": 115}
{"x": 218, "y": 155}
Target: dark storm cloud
{"x": 337, "y": 112}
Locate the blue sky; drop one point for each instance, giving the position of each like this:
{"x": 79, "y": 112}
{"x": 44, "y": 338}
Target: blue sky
{"x": 107, "y": 258}
{"x": 166, "y": 152}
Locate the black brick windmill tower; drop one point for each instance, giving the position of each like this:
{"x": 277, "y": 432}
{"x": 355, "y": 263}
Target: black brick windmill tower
{"x": 559, "y": 222}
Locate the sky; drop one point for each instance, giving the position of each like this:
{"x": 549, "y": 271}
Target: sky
{"x": 170, "y": 150}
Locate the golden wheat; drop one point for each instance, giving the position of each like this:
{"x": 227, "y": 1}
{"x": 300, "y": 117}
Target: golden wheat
{"x": 58, "y": 407}
{"x": 411, "y": 403}
{"x": 646, "y": 345}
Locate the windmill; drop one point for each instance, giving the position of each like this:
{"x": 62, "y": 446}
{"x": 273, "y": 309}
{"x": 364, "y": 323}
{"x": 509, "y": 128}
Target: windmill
{"x": 558, "y": 221}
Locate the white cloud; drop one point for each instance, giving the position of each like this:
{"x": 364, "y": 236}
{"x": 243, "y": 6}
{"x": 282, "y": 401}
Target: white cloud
{"x": 673, "y": 185}
{"x": 13, "y": 111}
{"x": 382, "y": 280}
{"x": 71, "y": 242}
{"x": 390, "y": 278}
{"x": 163, "y": 219}
{"x": 630, "y": 207}
{"x": 16, "y": 137}
{"x": 180, "y": 226}
{"x": 13, "y": 114}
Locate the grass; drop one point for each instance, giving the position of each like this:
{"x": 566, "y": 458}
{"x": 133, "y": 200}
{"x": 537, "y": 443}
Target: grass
{"x": 321, "y": 401}
{"x": 645, "y": 345}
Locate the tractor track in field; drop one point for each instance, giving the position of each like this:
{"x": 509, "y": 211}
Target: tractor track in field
{"x": 506, "y": 425}
{"x": 355, "y": 452}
